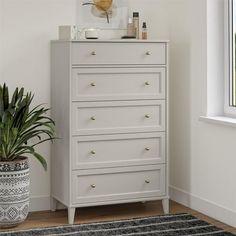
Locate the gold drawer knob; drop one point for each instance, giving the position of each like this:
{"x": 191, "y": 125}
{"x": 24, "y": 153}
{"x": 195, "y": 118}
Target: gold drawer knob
{"x": 147, "y": 149}
{"x": 147, "y": 83}
{"x": 93, "y": 53}
{"x": 93, "y": 186}
{"x": 147, "y": 116}
{"x": 93, "y": 152}
{"x": 93, "y": 118}
{"x": 93, "y": 84}
{"x": 147, "y": 181}
{"x": 148, "y": 53}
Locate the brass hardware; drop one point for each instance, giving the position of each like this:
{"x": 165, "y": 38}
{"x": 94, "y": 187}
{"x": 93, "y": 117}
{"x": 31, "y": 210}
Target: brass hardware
{"x": 147, "y": 83}
{"x": 93, "y": 186}
{"x": 93, "y": 84}
{"x": 147, "y": 181}
{"x": 93, "y": 152}
{"x": 93, "y": 53}
{"x": 147, "y": 116}
{"x": 93, "y": 118}
{"x": 147, "y": 149}
{"x": 148, "y": 53}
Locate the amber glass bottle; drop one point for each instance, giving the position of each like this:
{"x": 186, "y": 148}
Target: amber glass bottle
{"x": 144, "y": 31}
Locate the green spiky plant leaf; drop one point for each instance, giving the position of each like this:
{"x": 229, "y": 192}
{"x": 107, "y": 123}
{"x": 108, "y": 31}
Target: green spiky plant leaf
{"x": 22, "y": 127}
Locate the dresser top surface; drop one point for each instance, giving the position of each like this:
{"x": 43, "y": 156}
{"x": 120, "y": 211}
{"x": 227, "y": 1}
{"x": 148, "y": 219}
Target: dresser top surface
{"x": 112, "y": 41}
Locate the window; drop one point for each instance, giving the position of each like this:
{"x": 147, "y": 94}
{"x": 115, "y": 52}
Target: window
{"x": 221, "y": 62}
{"x": 230, "y": 83}
{"x": 232, "y": 35}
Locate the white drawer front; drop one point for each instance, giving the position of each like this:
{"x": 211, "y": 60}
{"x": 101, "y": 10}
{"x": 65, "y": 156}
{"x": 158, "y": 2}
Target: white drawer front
{"x": 118, "y": 53}
{"x": 116, "y": 186}
{"x": 118, "y": 151}
{"x": 117, "y": 118}
{"x": 93, "y": 84}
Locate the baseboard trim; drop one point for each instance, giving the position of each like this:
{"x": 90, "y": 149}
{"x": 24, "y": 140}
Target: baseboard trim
{"x": 42, "y": 203}
{"x": 39, "y": 203}
{"x": 204, "y": 206}
{"x": 225, "y": 215}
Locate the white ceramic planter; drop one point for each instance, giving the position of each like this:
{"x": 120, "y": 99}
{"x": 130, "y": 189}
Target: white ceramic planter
{"x": 14, "y": 192}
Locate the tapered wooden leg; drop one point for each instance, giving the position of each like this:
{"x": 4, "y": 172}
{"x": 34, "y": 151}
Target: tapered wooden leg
{"x": 71, "y": 215}
{"x": 53, "y": 204}
{"x": 165, "y": 205}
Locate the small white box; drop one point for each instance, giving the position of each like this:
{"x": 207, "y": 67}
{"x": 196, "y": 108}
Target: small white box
{"x": 68, "y": 32}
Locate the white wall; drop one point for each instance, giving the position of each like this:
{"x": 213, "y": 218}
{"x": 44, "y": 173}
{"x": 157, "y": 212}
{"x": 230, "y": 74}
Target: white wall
{"x": 27, "y": 26}
{"x": 155, "y": 14}
{"x": 1, "y": 32}
{"x": 202, "y": 155}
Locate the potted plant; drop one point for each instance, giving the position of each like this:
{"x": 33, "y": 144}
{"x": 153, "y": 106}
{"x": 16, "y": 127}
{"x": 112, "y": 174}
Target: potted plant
{"x": 21, "y": 129}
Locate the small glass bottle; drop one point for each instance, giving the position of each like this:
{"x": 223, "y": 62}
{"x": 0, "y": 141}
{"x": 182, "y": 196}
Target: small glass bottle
{"x": 144, "y": 31}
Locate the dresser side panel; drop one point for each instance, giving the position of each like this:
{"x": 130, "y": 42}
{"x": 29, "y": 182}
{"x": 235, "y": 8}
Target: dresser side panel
{"x": 167, "y": 119}
{"x": 60, "y": 103}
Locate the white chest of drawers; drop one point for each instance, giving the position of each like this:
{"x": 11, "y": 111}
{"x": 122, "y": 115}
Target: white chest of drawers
{"x": 110, "y": 104}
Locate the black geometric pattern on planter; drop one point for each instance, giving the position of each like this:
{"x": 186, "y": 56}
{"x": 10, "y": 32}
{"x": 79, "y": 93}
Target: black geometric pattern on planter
{"x": 14, "y": 192}
{"x": 14, "y": 166}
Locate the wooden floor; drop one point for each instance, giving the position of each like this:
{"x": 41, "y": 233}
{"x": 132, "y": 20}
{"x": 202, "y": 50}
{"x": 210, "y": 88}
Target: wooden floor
{"x": 107, "y": 213}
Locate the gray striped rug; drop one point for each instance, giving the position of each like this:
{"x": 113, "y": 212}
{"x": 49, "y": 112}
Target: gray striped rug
{"x": 166, "y": 225}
